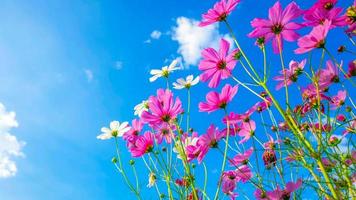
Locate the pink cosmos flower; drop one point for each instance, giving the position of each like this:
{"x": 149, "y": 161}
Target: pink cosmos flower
{"x": 291, "y": 74}
{"x": 325, "y": 11}
{"x": 209, "y": 140}
{"x": 329, "y": 75}
{"x": 351, "y": 69}
{"x": 260, "y": 195}
{"x": 325, "y": 4}
{"x": 263, "y": 105}
{"x": 278, "y": 26}
{"x": 216, "y": 101}
{"x": 133, "y": 133}
{"x": 247, "y": 130}
{"x": 286, "y": 193}
{"x": 217, "y": 65}
{"x": 164, "y": 131}
{"x": 162, "y": 108}
{"x": 235, "y": 118}
{"x": 271, "y": 143}
{"x": 338, "y": 100}
{"x": 219, "y": 12}
{"x": 351, "y": 128}
{"x": 143, "y": 144}
{"x": 315, "y": 39}
{"x": 229, "y": 181}
{"x": 243, "y": 173}
{"x": 242, "y": 158}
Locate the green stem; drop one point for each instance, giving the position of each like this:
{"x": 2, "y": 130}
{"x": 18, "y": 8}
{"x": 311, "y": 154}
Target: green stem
{"x": 283, "y": 70}
{"x": 122, "y": 171}
{"x": 224, "y": 158}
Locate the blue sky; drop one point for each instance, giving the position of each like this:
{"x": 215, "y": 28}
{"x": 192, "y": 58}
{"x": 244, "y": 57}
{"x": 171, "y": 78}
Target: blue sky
{"x": 70, "y": 67}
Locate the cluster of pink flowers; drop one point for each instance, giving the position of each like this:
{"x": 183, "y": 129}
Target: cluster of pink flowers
{"x": 270, "y": 132}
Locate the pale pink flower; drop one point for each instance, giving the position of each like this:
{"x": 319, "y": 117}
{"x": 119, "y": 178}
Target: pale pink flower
{"x": 247, "y": 131}
{"x": 219, "y": 12}
{"x": 338, "y": 100}
{"x": 328, "y": 75}
{"x": 217, "y": 65}
{"x": 208, "y": 140}
{"x": 135, "y": 129}
{"x": 351, "y": 128}
{"x": 315, "y": 39}
{"x": 260, "y": 195}
{"x": 162, "y": 108}
{"x": 279, "y": 26}
{"x": 263, "y": 105}
{"x": 143, "y": 144}
{"x": 290, "y": 75}
{"x": 216, "y": 101}
{"x": 229, "y": 181}
{"x": 279, "y": 194}
{"x": 164, "y": 131}
{"x": 243, "y": 173}
{"x": 235, "y": 118}
{"x": 242, "y": 158}
{"x": 271, "y": 143}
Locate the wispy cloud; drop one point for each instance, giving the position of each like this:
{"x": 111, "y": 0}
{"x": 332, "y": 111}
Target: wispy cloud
{"x": 119, "y": 65}
{"x": 156, "y": 34}
{"x": 10, "y": 147}
{"x": 89, "y": 74}
{"x": 192, "y": 39}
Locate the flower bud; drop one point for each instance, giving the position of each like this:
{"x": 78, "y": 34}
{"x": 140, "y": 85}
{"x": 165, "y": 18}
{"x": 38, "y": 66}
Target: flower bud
{"x": 333, "y": 140}
{"x": 341, "y": 118}
{"x": 269, "y": 158}
{"x": 348, "y": 109}
{"x": 286, "y": 141}
{"x": 273, "y": 128}
{"x": 131, "y": 162}
{"x": 114, "y": 160}
{"x": 341, "y": 49}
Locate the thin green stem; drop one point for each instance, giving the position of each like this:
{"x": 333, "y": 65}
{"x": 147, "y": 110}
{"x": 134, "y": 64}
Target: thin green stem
{"x": 224, "y": 158}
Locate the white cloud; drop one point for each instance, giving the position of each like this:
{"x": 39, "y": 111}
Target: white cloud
{"x": 89, "y": 74}
{"x": 192, "y": 39}
{"x": 10, "y": 147}
{"x": 118, "y": 65}
{"x": 156, "y": 34}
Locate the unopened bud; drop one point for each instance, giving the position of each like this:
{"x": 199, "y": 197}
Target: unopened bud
{"x": 114, "y": 160}
{"x": 131, "y": 162}
{"x": 341, "y": 49}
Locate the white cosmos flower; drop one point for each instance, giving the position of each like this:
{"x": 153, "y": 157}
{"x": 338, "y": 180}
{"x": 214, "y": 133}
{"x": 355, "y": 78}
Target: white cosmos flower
{"x": 165, "y": 71}
{"x": 116, "y": 130}
{"x": 151, "y": 179}
{"x": 187, "y": 83}
{"x": 139, "y": 108}
{"x": 187, "y": 142}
